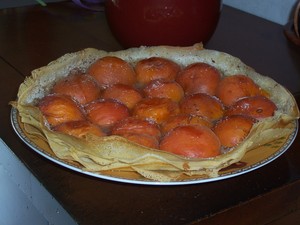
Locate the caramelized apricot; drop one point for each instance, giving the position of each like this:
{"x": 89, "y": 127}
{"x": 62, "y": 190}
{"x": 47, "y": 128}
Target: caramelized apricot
{"x": 111, "y": 70}
{"x": 155, "y": 109}
{"x": 136, "y": 126}
{"x": 257, "y": 107}
{"x": 233, "y": 88}
{"x": 199, "y": 78}
{"x": 59, "y": 109}
{"x": 232, "y": 130}
{"x": 79, "y": 128}
{"x": 164, "y": 89}
{"x": 156, "y": 68}
{"x": 123, "y": 93}
{"x": 142, "y": 139}
{"x": 184, "y": 119}
{"x": 81, "y": 87}
{"x": 203, "y": 105}
{"x": 106, "y": 112}
{"x": 192, "y": 141}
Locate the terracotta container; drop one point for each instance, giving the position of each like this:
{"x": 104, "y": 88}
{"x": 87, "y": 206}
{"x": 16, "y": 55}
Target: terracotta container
{"x": 162, "y": 22}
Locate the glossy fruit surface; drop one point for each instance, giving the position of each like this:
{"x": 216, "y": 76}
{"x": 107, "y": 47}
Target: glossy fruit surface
{"x": 199, "y": 78}
{"x": 57, "y": 109}
{"x": 142, "y": 139}
{"x": 126, "y": 94}
{"x": 203, "y": 105}
{"x": 112, "y": 70}
{"x": 192, "y": 141}
{"x": 154, "y": 68}
{"x": 233, "y": 88}
{"x": 133, "y": 125}
{"x": 106, "y": 112}
{"x": 81, "y": 87}
{"x": 79, "y": 128}
{"x": 157, "y": 110}
{"x": 164, "y": 89}
{"x": 258, "y": 107}
{"x": 232, "y": 130}
{"x": 184, "y": 119}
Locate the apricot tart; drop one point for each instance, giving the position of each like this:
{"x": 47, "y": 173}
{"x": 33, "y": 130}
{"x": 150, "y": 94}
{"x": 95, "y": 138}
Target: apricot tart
{"x": 163, "y": 113}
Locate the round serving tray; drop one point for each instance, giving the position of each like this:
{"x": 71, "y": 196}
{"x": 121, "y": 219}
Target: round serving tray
{"x": 253, "y": 159}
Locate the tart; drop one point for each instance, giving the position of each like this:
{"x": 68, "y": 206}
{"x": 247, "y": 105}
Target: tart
{"x": 126, "y": 152}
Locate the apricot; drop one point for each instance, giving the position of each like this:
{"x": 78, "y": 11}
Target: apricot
{"x": 81, "y": 87}
{"x": 136, "y": 126}
{"x": 106, "y": 112}
{"x": 57, "y": 109}
{"x": 257, "y": 107}
{"x": 155, "y": 109}
{"x": 232, "y": 130}
{"x": 142, "y": 139}
{"x": 164, "y": 89}
{"x": 184, "y": 119}
{"x": 199, "y": 78}
{"x": 79, "y": 128}
{"x": 192, "y": 141}
{"x": 204, "y": 105}
{"x": 156, "y": 68}
{"x": 233, "y": 88}
{"x": 123, "y": 93}
{"x": 111, "y": 70}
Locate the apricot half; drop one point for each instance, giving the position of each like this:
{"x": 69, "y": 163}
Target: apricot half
{"x": 156, "y": 68}
{"x": 111, "y": 70}
{"x": 57, "y": 109}
{"x": 199, "y": 78}
{"x": 81, "y": 87}
{"x": 135, "y": 125}
{"x": 233, "y": 88}
{"x": 257, "y": 107}
{"x": 155, "y": 109}
{"x": 79, "y": 128}
{"x": 184, "y": 119}
{"x": 192, "y": 141}
{"x": 123, "y": 93}
{"x": 204, "y": 105}
{"x": 232, "y": 130}
{"x": 142, "y": 139}
{"x": 164, "y": 89}
{"x": 106, "y": 112}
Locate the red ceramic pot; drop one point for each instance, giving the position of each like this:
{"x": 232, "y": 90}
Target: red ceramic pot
{"x": 162, "y": 22}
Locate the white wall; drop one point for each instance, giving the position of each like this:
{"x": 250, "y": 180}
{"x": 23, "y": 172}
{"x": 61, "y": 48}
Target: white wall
{"x": 23, "y": 199}
{"x": 278, "y": 11}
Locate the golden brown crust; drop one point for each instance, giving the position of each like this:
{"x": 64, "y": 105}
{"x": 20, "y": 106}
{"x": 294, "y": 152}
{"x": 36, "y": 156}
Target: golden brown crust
{"x": 113, "y": 152}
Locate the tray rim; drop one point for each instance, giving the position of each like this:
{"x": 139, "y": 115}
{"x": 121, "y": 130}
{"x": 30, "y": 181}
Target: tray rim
{"x": 18, "y": 130}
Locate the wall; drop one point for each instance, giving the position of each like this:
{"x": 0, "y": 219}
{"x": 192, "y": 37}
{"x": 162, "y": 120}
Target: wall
{"x": 278, "y": 11}
{"x": 23, "y": 199}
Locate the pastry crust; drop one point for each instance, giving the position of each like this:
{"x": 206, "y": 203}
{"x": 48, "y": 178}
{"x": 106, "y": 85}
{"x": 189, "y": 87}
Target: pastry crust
{"x": 117, "y": 153}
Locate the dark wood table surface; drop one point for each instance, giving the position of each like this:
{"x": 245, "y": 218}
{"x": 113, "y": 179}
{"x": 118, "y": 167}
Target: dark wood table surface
{"x": 31, "y": 37}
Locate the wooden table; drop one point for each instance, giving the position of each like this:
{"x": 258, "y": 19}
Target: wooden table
{"x": 31, "y": 37}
